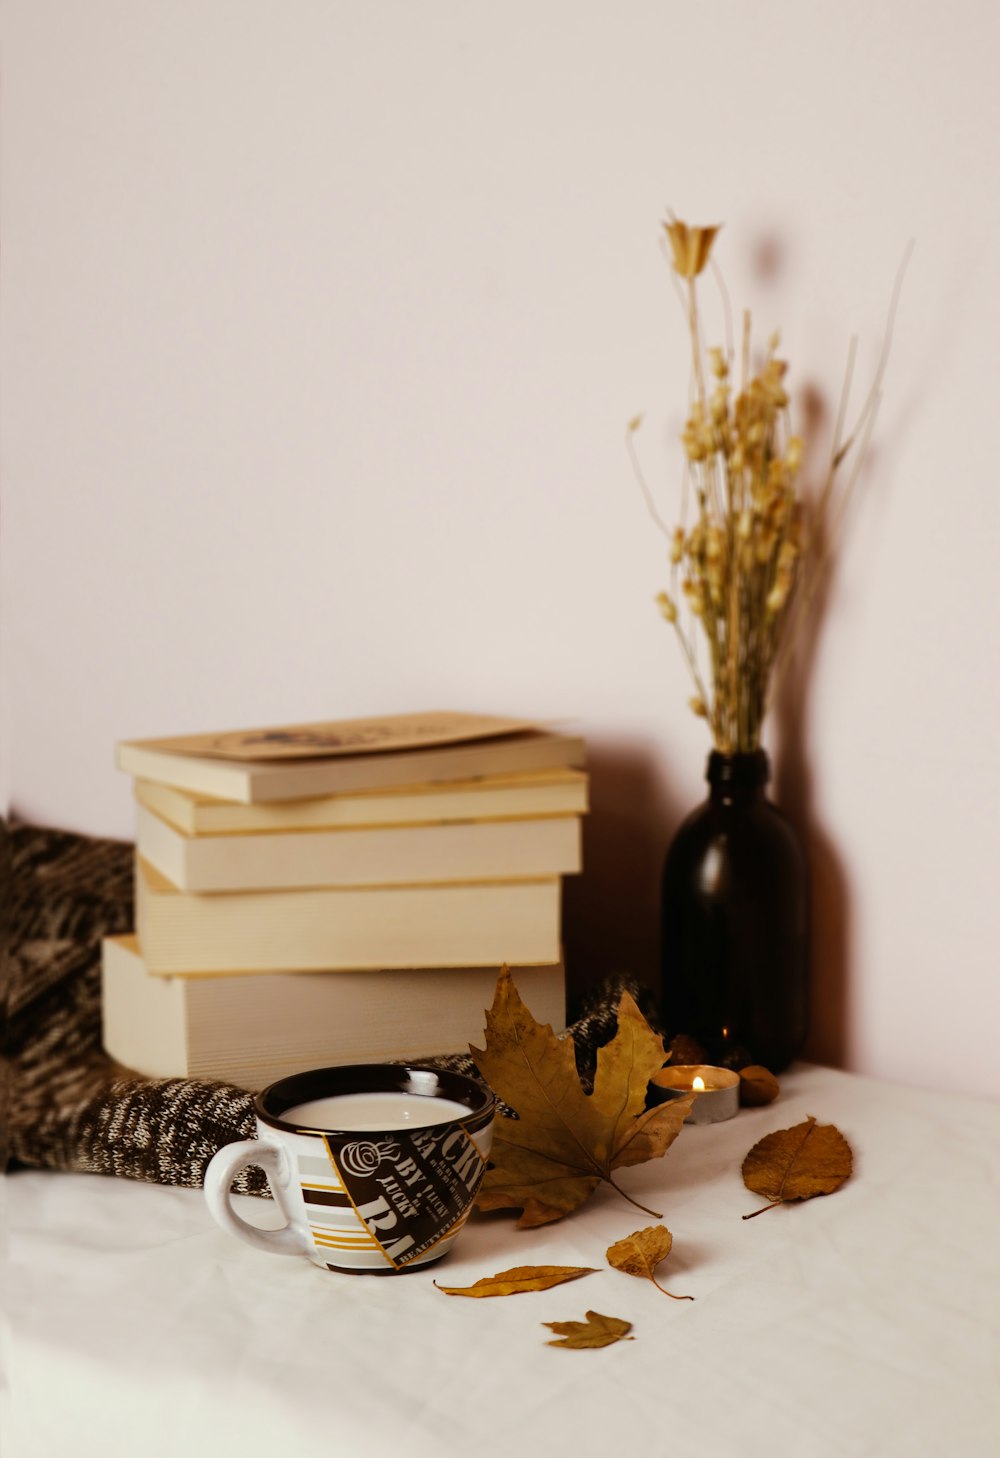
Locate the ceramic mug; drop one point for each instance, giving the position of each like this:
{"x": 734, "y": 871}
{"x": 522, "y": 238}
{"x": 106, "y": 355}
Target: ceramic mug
{"x": 374, "y": 1166}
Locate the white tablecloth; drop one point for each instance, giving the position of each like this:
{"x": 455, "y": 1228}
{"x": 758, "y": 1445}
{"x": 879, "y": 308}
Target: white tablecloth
{"x": 862, "y": 1323}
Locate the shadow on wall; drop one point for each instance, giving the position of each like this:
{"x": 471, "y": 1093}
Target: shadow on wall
{"x": 829, "y": 1038}
{"x": 611, "y": 913}
{"x": 787, "y": 734}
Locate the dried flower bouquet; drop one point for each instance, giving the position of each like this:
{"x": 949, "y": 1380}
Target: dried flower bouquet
{"x": 747, "y": 567}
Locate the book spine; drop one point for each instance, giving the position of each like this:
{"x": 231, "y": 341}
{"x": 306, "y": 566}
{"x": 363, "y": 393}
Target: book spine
{"x": 368, "y": 856}
{"x": 427, "y": 766}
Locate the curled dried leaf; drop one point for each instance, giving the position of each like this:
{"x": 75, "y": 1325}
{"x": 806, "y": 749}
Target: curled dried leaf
{"x": 796, "y": 1164}
{"x": 640, "y": 1253}
{"x": 758, "y": 1086}
{"x": 595, "y": 1331}
{"x": 520, "y": 1278}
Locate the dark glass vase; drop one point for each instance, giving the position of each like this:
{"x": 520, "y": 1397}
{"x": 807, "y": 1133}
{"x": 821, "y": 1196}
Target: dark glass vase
{"x": 734, "y": 928}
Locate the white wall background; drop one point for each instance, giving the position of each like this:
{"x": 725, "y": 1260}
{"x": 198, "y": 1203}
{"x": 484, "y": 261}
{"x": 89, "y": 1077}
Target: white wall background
{"x": 321, "y": 323}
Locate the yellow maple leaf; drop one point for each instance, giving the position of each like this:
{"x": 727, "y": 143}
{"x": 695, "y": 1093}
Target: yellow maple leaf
{"x": 565, "y": 1142}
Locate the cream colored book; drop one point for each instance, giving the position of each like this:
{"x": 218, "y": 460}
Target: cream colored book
{"x": 371, "y": 856}
{"x": 253, "y": 1030}
{"x": 297, "y": 763}
{"x": 496, "y": 797}
{"x": 456, "y": 924}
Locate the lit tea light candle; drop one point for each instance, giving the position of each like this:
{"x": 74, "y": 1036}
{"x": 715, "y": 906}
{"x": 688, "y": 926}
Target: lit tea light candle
{"x": 717, "y": 1090}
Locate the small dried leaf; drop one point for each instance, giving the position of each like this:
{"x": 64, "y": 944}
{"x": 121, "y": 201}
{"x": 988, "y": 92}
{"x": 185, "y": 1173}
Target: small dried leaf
{"x": 758, "y": 1086}
{"x": 520, "y": 1278}
{"x": 595, "y": 1331}
{"x": 795, "y": 1164}
{"x": 639, "y": 1255}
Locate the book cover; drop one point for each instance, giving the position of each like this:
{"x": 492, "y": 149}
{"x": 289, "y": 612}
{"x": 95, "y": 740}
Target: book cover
{"x": 370, "y": 856}
{"x": 260, "y": 781}
{"x": 331, "y": 738}
{"x": 253, "y": 1030}
{"x": 455, "y": 924}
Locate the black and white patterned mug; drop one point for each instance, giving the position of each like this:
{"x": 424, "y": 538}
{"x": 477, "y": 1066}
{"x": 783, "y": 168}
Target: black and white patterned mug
{"x": 374, "y": 1166}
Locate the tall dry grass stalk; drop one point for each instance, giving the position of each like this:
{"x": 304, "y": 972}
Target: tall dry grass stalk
{"x": 746, "y": 570}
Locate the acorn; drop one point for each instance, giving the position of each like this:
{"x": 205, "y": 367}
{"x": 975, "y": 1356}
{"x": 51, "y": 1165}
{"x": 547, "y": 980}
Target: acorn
{"x": 758, "y": 1086}
{"x": 685, "y": 1051}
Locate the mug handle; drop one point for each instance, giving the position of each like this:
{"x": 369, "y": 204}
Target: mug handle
{"x": 219, "y": 1176}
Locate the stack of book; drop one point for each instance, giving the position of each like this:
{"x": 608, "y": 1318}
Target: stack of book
{"x": 341, "y": 892}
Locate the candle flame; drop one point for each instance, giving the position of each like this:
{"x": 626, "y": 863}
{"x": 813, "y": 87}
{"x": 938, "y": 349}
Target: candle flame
{"x": 698, "y": 1083}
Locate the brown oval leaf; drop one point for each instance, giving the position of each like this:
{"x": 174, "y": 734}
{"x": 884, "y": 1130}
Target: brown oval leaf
{"x": 595, "y": 1331}
{"x": 796, "y": 1164}
{"x": 520, "y": 1278}
{"x": 640, "y": 1253}
{"x": 758, "y": 1086}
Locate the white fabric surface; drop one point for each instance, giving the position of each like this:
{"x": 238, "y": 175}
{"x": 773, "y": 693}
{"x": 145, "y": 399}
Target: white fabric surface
{"x": 862, "y": 1323}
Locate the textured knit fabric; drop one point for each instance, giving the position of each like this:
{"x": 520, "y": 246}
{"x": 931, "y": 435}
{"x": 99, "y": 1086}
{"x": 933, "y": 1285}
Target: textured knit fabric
{"x": 71, "y": 1106}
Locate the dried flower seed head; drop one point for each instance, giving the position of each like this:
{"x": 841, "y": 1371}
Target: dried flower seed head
{"x": 718, "y": 362}
{"x": 765, "y": 546}
{"x": 690, "y": 247}
{"x": 793, "y": 455}
{"x": 714, "y": 544}
{"x": 719, "y": 405}
{"x": 692, "y": 588}
{"x": 694, "y": 436}
{"x": 771, "y": 382}
{"x": 777, "y": 597}
{"x": 697, "y": 706}
{"x": 667, "y": 606}
{"x": 677, "y": 546}
{"x": 634, "y": 424}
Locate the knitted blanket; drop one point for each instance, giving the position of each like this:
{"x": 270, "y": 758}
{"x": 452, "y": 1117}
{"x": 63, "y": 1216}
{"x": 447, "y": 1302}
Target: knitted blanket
{"x": 71, "y": 1107}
